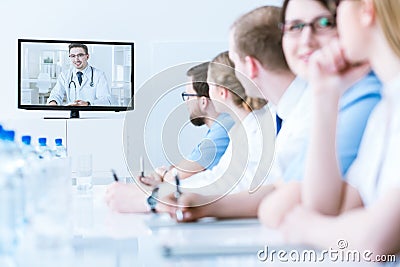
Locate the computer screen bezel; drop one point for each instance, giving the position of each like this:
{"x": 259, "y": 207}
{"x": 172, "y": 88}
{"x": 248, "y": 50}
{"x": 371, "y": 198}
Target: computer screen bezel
{"x": 75, "y": 108}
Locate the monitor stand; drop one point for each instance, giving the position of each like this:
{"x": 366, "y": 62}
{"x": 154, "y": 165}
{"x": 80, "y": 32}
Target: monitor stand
{"x": 74, "y": 114}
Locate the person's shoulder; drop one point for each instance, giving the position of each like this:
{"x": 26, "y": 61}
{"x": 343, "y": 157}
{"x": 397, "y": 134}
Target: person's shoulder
{"x": 369, "y": 84}
{"x": 66, "y": 72}
{"x": 368, "y": 88}
{"x": 256, "y": 118}
{"x": 223, "y": 122}
{"x": 95, "y": 69}
{"x": 262, "y": 111}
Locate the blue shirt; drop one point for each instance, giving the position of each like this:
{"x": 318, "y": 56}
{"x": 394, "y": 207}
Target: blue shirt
{"x": 211, "y": 148}
{"x": 355, "y": 106}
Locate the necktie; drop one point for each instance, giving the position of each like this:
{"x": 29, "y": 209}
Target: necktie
{"x": 278, "y": 124}
{"x": 79, "y": 74}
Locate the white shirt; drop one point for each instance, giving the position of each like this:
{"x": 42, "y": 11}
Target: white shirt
{"x": 377, "y": 167}
{"x": 293, "y": 108}
{"x": 98, "y": 93}
{"x": 290, "y": 98}
{"x": 240, "y": 163}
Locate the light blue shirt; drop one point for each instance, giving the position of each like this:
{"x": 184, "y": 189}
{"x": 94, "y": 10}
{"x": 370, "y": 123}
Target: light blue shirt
{"x": 355, "y": 106}
{"x": 211, "y": 148}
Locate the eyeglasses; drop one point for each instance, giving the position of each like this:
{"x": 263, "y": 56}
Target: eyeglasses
{"x": 185, "y": 96}
{"x": 81, "y": 55}
{"x": 319, "y": 25}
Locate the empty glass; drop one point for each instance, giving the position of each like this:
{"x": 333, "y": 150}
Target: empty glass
{"x": 84, "y": 174}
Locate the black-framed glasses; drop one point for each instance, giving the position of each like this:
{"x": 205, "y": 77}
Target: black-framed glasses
{"x": 185, "y": 96}
{"x": 80, "y": 55}
{"x": 319, "y": 25}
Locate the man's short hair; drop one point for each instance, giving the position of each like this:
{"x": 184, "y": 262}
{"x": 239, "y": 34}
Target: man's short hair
{"x": 83, "y": 46}
{"x": 257, "y": 34}
{"x": 198, "y": 74}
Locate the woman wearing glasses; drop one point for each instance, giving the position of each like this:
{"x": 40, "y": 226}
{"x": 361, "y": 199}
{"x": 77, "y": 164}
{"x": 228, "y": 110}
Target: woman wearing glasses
{"x": 363, "y": 210}
{"x": 82, "y": 84}
{"x": 307, "y": 27}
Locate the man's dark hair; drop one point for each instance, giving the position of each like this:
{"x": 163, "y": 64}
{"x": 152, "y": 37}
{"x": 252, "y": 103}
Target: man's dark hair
{"x": 78, "y": 45}
{"x": 198, "y": 74}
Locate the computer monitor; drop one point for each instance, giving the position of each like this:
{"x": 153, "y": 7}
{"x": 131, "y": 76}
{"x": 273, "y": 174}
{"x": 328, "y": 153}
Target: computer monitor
{"x": 75, "y": 75}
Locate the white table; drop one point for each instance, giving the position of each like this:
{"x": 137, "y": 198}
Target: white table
{"x": 109, "y": 239}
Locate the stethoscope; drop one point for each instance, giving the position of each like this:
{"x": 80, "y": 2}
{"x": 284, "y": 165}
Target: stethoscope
{"x": 72, "y": 81}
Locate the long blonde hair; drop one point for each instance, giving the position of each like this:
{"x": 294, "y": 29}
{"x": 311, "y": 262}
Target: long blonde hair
{"x": 388, "y": 14}
{"x": 223, "y": 74}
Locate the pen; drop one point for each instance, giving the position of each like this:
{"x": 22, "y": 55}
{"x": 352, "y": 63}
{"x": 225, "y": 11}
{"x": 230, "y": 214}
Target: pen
{"x": 177, "y": 194}
{"x": 114, "y": 175}
{"x": 141, "y": 166}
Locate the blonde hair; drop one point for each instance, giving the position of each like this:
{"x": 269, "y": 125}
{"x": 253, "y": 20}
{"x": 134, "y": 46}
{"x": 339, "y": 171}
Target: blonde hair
{"x": 388, "y": 14}
{"x": 223, "y": 74}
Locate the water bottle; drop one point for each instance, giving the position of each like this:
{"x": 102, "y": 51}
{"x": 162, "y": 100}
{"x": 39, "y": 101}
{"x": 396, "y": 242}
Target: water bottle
{"x": 10, "y": 194}
{"x": 8, "y": 230}
{"x": 27, "y": 150}
{"x": 60, "y": 151}
{"x": 31, "y": 176}
{"x": 44, "y": 152}
{"x": 16, "y": 165}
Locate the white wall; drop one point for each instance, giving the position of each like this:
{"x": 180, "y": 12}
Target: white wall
{"x": 154, "y": 25}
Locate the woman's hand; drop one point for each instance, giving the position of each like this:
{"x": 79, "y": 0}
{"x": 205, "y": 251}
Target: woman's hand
{"x": 193, "y": 206}
{"x": 330, "y": 72}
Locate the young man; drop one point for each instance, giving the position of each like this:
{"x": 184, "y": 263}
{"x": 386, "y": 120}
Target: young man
{"x": 201, "y": 109}
{"x": 123, "y": 197}
{"x": 83, "y": 84}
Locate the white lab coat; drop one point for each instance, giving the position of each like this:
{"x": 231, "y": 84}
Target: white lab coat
{"x": 67, "y": 85}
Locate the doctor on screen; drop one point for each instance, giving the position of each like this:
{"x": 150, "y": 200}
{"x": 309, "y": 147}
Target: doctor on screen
{"x": 82, "y": 84}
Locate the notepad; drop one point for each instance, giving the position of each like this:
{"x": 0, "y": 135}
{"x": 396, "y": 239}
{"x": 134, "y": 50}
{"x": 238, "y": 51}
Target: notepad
{"x": 209, "y": 250}
{"x": 212, "y": 237}
{"x": 164, "y": 220}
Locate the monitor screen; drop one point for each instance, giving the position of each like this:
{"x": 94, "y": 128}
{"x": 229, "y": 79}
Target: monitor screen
{"x": 75, "y": 75}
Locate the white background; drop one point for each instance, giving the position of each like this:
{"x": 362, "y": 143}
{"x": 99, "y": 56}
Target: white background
{"x": 154, "y": 26}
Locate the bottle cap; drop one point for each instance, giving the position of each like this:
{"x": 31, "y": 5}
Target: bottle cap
{"x": 42, "y": 141}
{"x": 26, "y": 139}
{"x": 9, "y": 135}
{"x": 58, "y": 141}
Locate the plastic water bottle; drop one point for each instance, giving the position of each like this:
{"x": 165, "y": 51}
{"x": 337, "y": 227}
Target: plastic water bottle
{"x": 16, "y": 164}
{"x": 44, "y": 152}
{"x": 27, "y": 150}
{"x": 8, "y": 229}
{"x": 10, "y": 193}
{"x": 60, "y": 151}
{"x": 31, "y": 176}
